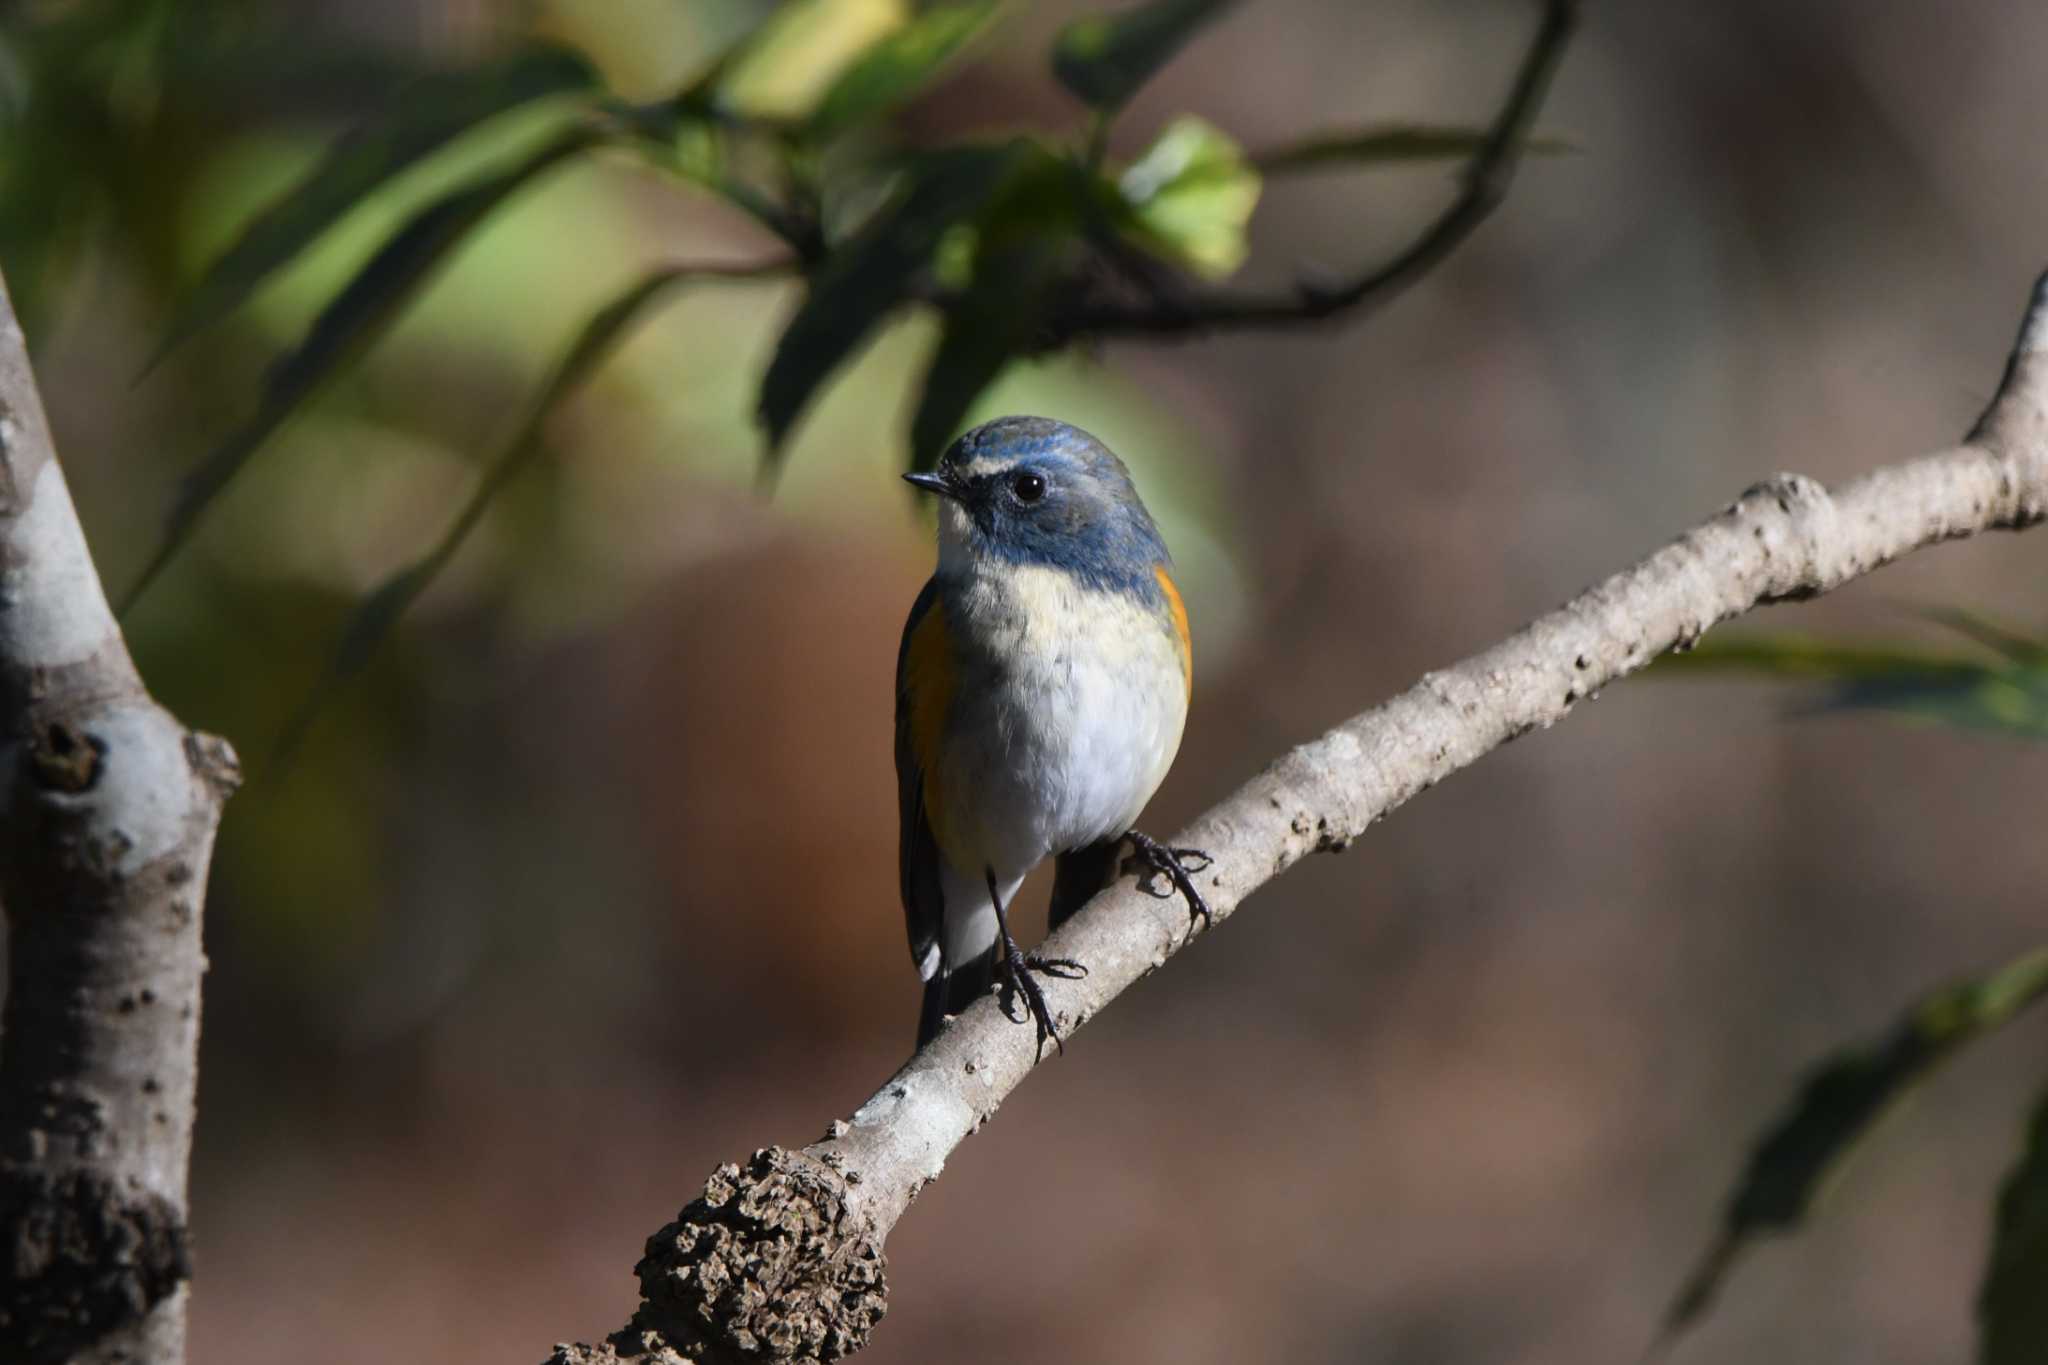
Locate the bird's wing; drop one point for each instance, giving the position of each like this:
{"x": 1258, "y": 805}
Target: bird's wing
{"x": 923, "y": 692}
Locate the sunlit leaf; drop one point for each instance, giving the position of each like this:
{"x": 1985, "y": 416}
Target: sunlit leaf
{"x": 416, "y": 121}
{"x": 1793, "y": 1162}
{"x": 870, "y": 275}
{"x": 900, "y": 65}
{"x": 374, "y": 619}
{"x": 1390, "y": 143}
{"x": 1191, "y": 197}
{"x": 996, "y": 316}
{"x": 2012, "y": 1305}
{"x": 1105, "y": 58}
{"x": 2006, "y": 695}
{"x": 788, "y": 64}
{"x": 352, "y": 322}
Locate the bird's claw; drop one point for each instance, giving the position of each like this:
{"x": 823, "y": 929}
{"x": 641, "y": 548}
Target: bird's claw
{"x": 1017, "y": 970}
{"x": 1178, "y": 866}
{"x": 1065, "y": 968}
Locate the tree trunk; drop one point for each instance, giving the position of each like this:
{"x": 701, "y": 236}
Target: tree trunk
{"x": 108, "y": 808}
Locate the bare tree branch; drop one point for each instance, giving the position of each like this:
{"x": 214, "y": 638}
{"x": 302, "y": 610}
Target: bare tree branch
{"x": 107, "y": 815}
{"x": 783, "y": 1258}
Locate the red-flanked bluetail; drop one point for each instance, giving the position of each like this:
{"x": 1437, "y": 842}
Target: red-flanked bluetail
{"x": 1041, "y": 688}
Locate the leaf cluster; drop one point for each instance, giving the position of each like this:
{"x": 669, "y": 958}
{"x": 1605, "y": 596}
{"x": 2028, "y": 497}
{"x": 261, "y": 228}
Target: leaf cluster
{"x": 1021, "y": 243}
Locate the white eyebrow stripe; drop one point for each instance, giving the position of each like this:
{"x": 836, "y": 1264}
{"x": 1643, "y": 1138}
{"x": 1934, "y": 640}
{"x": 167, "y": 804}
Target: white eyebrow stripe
{"x": 982, "y": 466}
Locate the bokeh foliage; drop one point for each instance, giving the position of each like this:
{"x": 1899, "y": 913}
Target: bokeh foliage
{"x": 368, "y": 276}
{"x": 2001, "y": 687}
{"x": 997, "y": 234}
{"x": 1998, "y": 688}
{"x": 1803, "y": 1153}
{"x": 794, "y": 127}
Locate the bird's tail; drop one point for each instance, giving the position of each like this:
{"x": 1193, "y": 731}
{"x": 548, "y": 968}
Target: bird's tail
{"x": 955, "y": 988}
{"x": 1076, "y": 877}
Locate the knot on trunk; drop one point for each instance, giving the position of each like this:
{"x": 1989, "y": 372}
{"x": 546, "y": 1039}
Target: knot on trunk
{"x": 767, "y": 1265}
{"x": 78, "y": 1260}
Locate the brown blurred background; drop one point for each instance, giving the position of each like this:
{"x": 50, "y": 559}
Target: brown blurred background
{"x": 589, "y": 883}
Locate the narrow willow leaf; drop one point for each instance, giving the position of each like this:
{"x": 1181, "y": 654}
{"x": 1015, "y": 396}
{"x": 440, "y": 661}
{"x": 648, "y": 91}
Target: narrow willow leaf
{"x": 901, "y": 64}
{"x": 1104, "y": 58}
{"x": 416, "y": 121}
{"x": 1392, "y": 143}
{"x": 993, "y": 320}
{"x": 373, "y": 621}
{"x": 352, "y": 322}
{"x": 870, "y": 275}
{"x": 784, "y": 68}
{"x": 2008, "y": 699}
{"x": 1191, "y": 197}
{"x": 2012, "y": 1305}
{"x": 2021, "y": 649}
{"x": 2004, "y": 696}
{"x": 1793, "y": 1162}
{"x": 1799, "y": 656}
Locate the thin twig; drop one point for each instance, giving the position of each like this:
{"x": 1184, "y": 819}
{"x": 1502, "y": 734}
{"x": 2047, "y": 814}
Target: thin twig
{"x": 1485, "y": 184}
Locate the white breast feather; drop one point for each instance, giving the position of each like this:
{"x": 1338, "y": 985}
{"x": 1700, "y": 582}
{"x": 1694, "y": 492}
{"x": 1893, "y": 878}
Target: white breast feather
{"x": 1066, "y": 745}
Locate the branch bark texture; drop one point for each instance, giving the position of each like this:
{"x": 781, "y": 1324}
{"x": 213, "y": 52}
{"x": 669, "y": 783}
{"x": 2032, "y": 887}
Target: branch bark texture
{"x": 108, "y": 808}
{"x": 782, "y": 1258}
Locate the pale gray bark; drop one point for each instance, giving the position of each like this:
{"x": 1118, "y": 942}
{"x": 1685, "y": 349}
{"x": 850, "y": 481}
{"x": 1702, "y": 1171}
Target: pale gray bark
{"x": 108, "y": 808}
{"x": 784, "y": 1257}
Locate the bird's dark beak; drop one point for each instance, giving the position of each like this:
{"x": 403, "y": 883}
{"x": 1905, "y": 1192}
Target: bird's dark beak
{"x": 934, "y": 483}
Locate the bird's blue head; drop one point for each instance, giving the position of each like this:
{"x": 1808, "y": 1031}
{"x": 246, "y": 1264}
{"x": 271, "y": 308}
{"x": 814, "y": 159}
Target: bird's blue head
{"x": 1032, "y": 491}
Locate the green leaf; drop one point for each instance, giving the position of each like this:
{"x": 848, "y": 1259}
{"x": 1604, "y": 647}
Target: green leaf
{"x": 1191, "y": 196}
{"x": 2021, "y": 649}
{"x": 899, "y": 65}
{"x": 870, "y": 275}
{"x": 2012, "y": 1305}
{"x": 1794, "y": 1161}
{"x": 994, "y": 319}
{"x": 1104, "y": 58}
{"x": 352, "y": 322}
{"x": 2005, "y": 696}
{"x": 417, "y": 120}
{"x": 1801, "y": 656}
{"x": 786, "y": 66}
{"x": 2004, "y": 699}
{"x": 1391, "y": 143}
{"x": 374, "y": 619}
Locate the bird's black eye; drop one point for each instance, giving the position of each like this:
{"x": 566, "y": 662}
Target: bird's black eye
{"x": 1028, "y": 487}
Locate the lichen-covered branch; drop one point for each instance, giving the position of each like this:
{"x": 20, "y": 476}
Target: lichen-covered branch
{"x": 107, "y": 815}
{"x": 782, "y": 1259}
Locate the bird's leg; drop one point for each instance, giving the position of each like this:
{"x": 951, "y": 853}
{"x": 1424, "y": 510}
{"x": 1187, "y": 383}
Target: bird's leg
{"x": 1018, "y": 968}
{"x": 1172, "y": 863}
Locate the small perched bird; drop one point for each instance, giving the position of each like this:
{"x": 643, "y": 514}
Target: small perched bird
{"x": 1041, "y": 688}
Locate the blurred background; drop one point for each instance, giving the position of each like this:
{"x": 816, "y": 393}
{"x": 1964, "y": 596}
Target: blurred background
{"x": 588, "y": 882}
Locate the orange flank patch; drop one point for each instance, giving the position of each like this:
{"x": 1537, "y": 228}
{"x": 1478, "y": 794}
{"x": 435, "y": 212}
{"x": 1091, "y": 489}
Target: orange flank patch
{"x": 928, "y": 679}
{"x": 1178, "y": 610}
